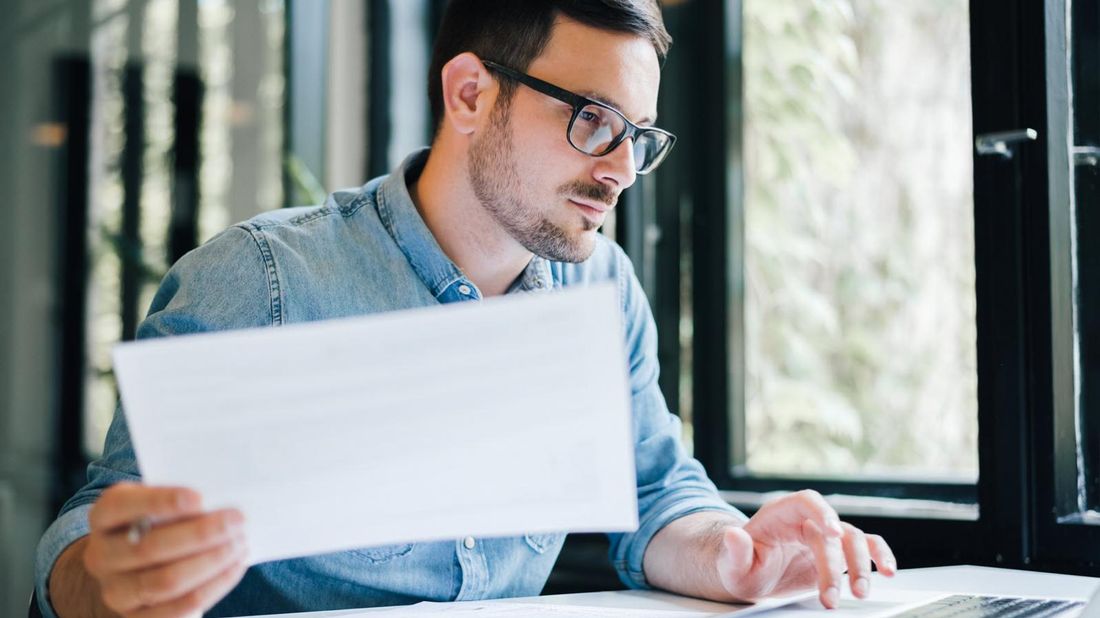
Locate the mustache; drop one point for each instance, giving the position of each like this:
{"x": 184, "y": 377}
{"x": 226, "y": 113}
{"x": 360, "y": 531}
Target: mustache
{"x": 593, "y": 192}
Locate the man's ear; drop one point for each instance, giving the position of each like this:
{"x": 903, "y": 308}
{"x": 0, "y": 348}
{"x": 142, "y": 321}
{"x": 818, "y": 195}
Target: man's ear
{"x": 468, "y": 92}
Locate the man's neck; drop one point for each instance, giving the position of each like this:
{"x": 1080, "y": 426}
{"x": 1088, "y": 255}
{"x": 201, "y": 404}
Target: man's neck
{"x": 466, "y": 232}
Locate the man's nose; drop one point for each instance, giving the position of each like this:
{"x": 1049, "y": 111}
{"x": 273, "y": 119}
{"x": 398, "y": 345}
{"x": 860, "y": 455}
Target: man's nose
{"x": 618, "y": 167}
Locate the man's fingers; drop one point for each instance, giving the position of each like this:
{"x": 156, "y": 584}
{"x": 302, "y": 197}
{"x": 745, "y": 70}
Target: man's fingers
{"x": 814, "y": 507}
{"x": 882, "y": 555}
{"x": 782, "y": 519}
{"x": 858, "y": 557}
{"x": 161, "y": 584}
{"x": 168, "y": 542}
{"x": 828, "y": 561}
{"x": 122, "y": 504}
{"x": 197, "y": 601}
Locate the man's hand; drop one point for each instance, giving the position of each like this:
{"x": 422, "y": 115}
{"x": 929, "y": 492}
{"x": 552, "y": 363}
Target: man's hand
{"x": 792, "y": 543}
{"x": 795, "y": 542}
{"x": 182, "y": 565}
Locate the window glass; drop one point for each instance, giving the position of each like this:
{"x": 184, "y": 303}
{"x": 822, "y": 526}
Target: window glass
{"x": 860, "y": 338}
{"x": 239, "y": 70}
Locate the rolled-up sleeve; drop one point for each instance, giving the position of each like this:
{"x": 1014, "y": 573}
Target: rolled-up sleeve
{"x": 116, "y": 465}
{"x": 224, "y": 284}
{"x": 671, "y": 484}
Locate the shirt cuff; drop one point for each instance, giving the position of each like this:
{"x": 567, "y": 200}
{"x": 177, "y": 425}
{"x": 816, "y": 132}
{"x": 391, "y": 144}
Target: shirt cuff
{"x": 65, "y": 530}
{"x": 630, "y": 570}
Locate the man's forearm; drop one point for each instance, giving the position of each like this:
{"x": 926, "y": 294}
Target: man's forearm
{"x": 681, "y": 557}
{"x": 73, "y": 591}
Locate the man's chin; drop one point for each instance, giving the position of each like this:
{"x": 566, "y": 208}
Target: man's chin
{"x": 582, "y": 247}
{"x": 577, "y": 250}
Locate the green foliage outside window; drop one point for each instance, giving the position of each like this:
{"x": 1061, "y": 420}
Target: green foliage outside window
{"x": 860, "y": 303}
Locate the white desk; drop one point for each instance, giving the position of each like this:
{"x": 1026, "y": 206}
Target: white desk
{"x": 969, "y": 579}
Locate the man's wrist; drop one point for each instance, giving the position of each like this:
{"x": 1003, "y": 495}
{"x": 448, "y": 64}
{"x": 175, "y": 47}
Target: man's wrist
{"x": 72, "y": 590}
{"x": 683, "y": 556}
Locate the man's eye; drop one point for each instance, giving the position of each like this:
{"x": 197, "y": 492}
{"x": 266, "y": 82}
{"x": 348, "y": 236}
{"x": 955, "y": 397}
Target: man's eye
{"x": 588, "y": 116}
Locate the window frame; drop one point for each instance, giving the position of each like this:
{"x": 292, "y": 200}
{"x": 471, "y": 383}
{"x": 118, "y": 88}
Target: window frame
{"x": 1063, "y": 537}
{"x": 1009, "y": 51}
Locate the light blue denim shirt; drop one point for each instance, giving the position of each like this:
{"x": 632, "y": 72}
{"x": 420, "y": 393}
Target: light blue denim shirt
{"x": 368, "y": 251}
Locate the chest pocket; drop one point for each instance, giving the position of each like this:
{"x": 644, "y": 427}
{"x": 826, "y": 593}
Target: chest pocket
{"x": 544, "y": 541}
{"x": 385, "y": 553}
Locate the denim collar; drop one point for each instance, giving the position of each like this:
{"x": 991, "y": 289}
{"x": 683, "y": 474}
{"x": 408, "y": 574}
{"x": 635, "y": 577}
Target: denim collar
{"x": 404, "y": 223}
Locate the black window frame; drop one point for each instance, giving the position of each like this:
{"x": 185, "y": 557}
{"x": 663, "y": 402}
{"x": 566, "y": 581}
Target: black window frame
{"x": 1085, "y": 74}
{"x": 1065, "y": 537}
{"x": 1011, "y": 43}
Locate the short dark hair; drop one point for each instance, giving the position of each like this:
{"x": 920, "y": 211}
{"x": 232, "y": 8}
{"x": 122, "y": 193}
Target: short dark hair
{"x": 515, "y": 32}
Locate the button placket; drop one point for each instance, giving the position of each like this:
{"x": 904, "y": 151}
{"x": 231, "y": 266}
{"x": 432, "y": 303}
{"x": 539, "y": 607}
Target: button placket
{"x": 475, "y": 570}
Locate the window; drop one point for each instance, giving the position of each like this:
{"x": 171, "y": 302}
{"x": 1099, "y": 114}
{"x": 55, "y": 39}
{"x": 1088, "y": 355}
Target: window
{"x": 867, "y": 305}
{"x": 858, "y": 252}
{"x": 199, "y": 114}
{"x": 180, "y": 91}
{"x": 848, "y": 324}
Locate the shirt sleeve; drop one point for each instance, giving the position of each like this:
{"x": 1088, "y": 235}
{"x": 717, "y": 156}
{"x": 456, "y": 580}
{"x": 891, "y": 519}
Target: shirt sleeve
{"x": 224, "y": 284}
{"x": 671, "y": 484}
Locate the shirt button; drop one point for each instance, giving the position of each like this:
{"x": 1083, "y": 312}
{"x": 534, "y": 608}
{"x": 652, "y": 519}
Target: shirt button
{"x": 464, "y": 289}
{"x": 538, "y": 283}
{"x": 468, "y": 542}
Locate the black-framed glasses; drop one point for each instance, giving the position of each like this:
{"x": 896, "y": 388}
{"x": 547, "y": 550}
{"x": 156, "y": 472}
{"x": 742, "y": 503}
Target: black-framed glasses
{"x": 597, "y": 129}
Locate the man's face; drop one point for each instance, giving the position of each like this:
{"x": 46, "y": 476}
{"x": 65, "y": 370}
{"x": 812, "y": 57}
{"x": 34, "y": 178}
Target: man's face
{"x": 544, "y": 193}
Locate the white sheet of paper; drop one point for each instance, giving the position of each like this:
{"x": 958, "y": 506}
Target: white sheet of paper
{"x": 576, "y": 608}
{"x": 509, "y": 609}
{"x": 491, "y": 418}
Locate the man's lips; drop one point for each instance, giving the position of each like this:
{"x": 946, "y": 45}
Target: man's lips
{"x": 597, "y": 207}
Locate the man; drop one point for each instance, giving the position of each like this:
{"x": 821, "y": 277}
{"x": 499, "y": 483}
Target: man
{"x": 544, "y": 112}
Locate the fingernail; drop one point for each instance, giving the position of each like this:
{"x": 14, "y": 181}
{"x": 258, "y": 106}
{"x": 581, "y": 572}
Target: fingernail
{"x": 831, "y": 597}
{"x": 834, "y": 525}
{"x": 859, "y": 588}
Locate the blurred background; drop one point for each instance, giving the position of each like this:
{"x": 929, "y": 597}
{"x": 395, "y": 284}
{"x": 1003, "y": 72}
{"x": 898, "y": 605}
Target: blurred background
{"x": 846, "y": 291}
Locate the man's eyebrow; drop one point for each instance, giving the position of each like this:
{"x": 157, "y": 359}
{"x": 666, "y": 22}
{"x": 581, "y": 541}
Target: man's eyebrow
{"x": 595, "y": 96}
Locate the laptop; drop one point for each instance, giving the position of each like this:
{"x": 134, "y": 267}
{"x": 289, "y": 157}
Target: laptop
{"x": 930, "y": 604}
{"x": 980, "y": 605}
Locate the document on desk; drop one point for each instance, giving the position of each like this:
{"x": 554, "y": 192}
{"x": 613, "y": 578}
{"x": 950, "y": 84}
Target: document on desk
{"x": 517, "y": 609}
{"x": 484, "y": 419}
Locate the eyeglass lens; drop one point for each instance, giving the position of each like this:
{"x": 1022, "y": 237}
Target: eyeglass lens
{"x": 596, "y": 128}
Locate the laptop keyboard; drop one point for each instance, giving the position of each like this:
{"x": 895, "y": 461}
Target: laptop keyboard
{"x": 976, "y": 606}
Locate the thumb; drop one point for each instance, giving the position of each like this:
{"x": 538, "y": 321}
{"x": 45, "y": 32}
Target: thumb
{"x": 735, "y": 556}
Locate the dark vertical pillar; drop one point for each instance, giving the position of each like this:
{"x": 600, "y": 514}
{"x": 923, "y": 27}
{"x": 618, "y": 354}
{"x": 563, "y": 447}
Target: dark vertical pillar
{"x": 128, "y": 241}
{"x": 379, "y": 87}
{"x": 187, "y": 94}
{"x": 132, "y": 161}
{"x": 72, "y": 80}
{"x": 717, "y": 298}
